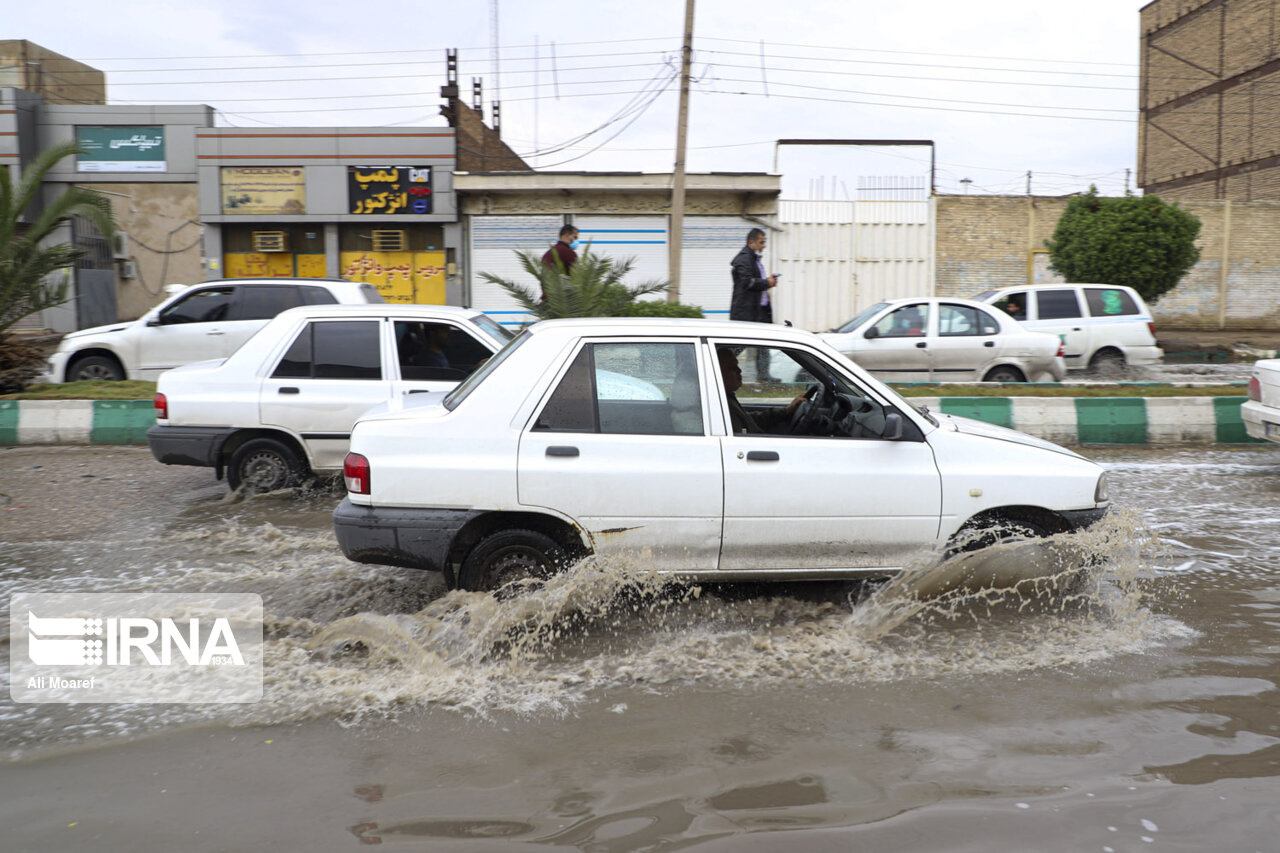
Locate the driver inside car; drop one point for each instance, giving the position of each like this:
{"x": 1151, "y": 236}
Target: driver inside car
{"x": 770, "y": 422}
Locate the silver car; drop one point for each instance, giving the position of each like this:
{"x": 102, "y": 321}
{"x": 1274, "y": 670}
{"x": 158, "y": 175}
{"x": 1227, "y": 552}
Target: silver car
{"x": 938, "y": 339}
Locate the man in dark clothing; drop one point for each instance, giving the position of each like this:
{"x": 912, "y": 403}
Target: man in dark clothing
{"x": 751, "y": 298}
{"x": 740, "y": 420}
{"x": 563, "y": 249}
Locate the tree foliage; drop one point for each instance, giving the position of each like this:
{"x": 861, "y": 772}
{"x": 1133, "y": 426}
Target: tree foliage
{"x": 592, "y": 288}
{"x": 25, "y": 264}
{"x": 1139, "y": 241}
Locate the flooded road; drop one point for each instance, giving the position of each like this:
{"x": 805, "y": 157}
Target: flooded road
{"x": 609, "y": 712}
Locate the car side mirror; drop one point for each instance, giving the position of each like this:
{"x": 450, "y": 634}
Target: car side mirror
{"x": 892, "y": 427}
{"x": 154, "y": 321}
{"x": 873, "y": 332}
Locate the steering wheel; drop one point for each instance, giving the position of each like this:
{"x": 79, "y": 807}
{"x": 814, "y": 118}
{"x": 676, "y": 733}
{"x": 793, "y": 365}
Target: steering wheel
{"x": 807, "y": 412}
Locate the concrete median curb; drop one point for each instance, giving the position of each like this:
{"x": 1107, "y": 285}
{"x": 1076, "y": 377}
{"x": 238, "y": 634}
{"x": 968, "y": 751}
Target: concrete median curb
{"x": 1063, "y": 420}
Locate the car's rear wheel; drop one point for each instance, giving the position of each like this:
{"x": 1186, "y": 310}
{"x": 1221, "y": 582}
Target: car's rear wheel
{"x": 1107, "y": 364}
{"x": 508, "y": 556}
{"x": 265, "y": 465}
{"x": 1004, "y": 373}
{"x": 95, "y": 367}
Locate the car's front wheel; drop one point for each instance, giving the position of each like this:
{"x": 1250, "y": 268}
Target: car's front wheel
{"x": 265, "y": 465}
{"x": 508, "y": 556}
{"x": 95, "y": 367}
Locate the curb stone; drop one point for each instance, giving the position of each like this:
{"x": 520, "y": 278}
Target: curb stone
{"x": 1062, "y": 420}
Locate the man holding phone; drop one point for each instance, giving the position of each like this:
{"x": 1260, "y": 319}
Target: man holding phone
{"x": 752, "y": 301}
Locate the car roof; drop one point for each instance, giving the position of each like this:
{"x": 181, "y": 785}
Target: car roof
{"x": 1021, "y": 287}
{"x": 677, "y": 327}
{"x": 282, "y": 280}
{"x": 963, "y": 300}
{"x": 380, "y": 309}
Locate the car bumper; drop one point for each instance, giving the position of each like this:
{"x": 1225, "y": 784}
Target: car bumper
{"x": 411, "y": 538}
{"x": 55, "y": 369}
{"x": 199, "y": 446}
{"x": 1262, "y": 422}
{"x": 1079, "y": 519}
{"x": 1142, "y": 356}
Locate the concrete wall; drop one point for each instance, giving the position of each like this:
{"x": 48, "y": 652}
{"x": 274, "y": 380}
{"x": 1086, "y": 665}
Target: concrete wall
{"x": 986, "y": 242}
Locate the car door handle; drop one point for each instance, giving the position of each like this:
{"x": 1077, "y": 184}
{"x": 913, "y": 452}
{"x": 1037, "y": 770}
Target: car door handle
{"x": 287, "y": 389}
{"x": 215, "y": 332}
{"x": 562, "y": 450}
{"x": 988, "y": 343}
{"x": 763, "y": 456}
{"x": 922, "y": 345}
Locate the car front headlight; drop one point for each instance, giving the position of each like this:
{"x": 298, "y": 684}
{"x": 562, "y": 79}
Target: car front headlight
{"x": 1100, "y": 493}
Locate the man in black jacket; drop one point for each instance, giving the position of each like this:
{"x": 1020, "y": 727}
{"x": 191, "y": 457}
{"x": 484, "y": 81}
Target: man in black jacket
{"x": 752, "y": 300}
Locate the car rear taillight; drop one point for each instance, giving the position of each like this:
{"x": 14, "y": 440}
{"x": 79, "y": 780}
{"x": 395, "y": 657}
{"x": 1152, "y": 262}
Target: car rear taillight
{"x": 1062, "y": 350}
{"x": 355, "y": 472}
{"x": 161, "y": 405}
{"x": 1255, "y": 389}
{"x": 1151, "y": 326}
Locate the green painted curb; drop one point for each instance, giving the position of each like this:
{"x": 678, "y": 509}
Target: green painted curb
{"x": 8, "y": 422}
{"x": 121, "y": 421}
{"x": 992, "y": 410}
{"x": 1230, "y": 424}
{"x": 1111, "y": 420}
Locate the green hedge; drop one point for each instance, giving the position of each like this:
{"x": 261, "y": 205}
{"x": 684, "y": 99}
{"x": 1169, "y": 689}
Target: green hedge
{"x": 653, "y": 308}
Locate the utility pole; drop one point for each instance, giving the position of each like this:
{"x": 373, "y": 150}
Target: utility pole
{"x": 676, "y": 231}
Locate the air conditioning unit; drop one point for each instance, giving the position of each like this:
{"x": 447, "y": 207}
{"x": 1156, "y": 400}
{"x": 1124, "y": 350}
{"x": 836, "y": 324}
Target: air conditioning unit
{"x": 120, "y": 245}
{"x": 388, "y": 240}
{"x": 270, "y": 241}
{"x": 129, "y": 269}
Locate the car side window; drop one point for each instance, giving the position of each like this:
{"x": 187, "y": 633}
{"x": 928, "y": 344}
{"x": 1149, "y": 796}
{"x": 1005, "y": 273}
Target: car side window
{"x": 959, "y": 320}
{"x": 437, "y": 351}
{"x": 907, "y": 321}
{"x": 265, "y": 302}
{"x": 802, "y": 397}
{"x": 1109, "y": 302}
{"x": 1058, "y": 305}
{"x": 208, "y": 305}
{"x": 312, "y": 295}
{"x": 627, "y": 389}
{"x": 345, "y": 349}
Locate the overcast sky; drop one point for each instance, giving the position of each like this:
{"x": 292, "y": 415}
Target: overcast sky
{"x": 1002, "y": 87}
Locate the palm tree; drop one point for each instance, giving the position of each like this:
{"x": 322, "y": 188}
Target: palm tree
{"x": 25, "y": 264}
{"x": 592, "y": 288}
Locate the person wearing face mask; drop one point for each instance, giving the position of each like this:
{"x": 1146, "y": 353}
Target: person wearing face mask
{"x": 563, "y": 249}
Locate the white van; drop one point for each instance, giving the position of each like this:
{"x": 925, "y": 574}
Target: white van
{"x": 1104, "y": 327}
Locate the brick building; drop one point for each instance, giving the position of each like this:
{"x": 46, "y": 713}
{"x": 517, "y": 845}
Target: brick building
{"x": 1209, "y": 124}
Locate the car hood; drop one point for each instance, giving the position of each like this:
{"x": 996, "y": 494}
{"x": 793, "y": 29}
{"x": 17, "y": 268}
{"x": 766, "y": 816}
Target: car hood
{"x": 99, "y": 330}
{"x": 969, "y": 426}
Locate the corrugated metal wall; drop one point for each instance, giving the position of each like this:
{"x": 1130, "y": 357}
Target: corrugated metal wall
{"x": 838, "y": 257}
{"x": 710, "y": 242}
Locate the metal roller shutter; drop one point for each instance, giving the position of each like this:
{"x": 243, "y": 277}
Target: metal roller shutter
{"x": 494, "y": 240}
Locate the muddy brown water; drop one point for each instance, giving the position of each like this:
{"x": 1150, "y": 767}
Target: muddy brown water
{"x": 610, "y": 712}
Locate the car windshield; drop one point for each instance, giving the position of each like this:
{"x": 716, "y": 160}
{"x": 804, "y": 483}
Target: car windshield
{"x": 984, "y": 295}
{"x": 455, "y": 397}
{"x": 493, "y": 328}
{"x": 862, "y": 317}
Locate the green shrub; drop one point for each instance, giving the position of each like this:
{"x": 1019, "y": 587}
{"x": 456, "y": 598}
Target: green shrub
{"x": 652, "y": 308}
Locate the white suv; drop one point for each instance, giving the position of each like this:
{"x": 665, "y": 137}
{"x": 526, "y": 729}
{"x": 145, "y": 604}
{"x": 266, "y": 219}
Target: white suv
{"x": 543, "y": 455}
{"x": 1104, "y": 327}
{"x": 283, "y": 405}
{"x": 204, "y": 321}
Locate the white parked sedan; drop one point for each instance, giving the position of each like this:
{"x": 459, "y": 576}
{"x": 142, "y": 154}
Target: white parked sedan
{"x": 937, "y": 339}
{"x": 535, "y": 459}
{"x": 283, "y": 405}
{"x": 1261, "y": 413}
{"x": 204, "y": 321}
